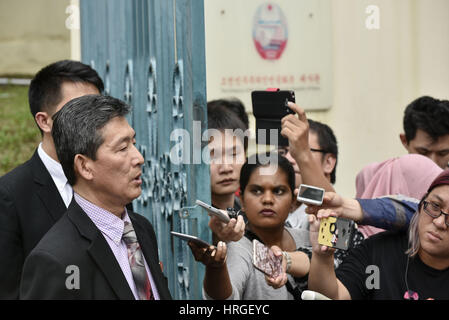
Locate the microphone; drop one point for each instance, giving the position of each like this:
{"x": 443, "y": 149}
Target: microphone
{"x": 312, "y": 295}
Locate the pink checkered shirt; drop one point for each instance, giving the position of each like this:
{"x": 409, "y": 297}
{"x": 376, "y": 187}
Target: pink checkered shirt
{"x": 112, "y": 229}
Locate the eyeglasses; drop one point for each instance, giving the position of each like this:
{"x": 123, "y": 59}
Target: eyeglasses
{"x": 318, "y": 150}
{"x": 434, "y": 211}
{"x": 284, "y": 150}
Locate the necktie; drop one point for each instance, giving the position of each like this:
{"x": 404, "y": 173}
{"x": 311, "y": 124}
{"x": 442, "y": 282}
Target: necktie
{"x": 135, "y": 258}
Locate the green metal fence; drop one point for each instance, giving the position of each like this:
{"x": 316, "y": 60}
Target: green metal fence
{"x": 151, "y": 53}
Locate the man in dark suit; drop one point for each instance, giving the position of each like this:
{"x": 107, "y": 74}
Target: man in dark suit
{"x": 98, "y": 249}
{"x": 36, "y": 194}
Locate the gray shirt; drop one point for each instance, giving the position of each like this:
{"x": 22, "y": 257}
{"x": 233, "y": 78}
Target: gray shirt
{"x": 248, "y": 283}
{"x": 298, "y": 219}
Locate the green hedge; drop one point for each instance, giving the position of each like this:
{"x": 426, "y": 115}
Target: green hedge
{"x": 19, "y": 135}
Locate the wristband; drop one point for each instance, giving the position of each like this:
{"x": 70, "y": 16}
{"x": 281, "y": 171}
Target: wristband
{"x": 288, "y": 259}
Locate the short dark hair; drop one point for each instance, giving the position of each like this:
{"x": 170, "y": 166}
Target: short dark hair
{"x": 220, "y": 117}
{"x": 77, "y": 128}
{"x": 45, "y": 93}
{"x": 233, "y": 104}
{"x": 327, "y": 142}
{"x": 427, "y": 114}
{"x": 259, "y": 160}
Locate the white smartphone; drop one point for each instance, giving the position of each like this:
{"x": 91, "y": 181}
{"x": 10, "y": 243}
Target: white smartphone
{"x": 212, "y": 210}
{"x": 188, "y": 237}
{"x": 310, "y": 195}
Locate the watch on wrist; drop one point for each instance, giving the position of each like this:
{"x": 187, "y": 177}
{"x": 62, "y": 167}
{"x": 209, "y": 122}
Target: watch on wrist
{"x": 288, "y": 259}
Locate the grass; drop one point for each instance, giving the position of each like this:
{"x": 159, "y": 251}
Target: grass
{"x": 19, "y": 135}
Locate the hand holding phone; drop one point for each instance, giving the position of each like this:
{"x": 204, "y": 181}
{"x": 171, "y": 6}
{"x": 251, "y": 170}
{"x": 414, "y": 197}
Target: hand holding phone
{"x": 212, "y": 256}
{"x": 187, "y": 237}
{"x": 265, "y": 260}
{"x": 220, "y": 214}
{"x": 336, "y": 232}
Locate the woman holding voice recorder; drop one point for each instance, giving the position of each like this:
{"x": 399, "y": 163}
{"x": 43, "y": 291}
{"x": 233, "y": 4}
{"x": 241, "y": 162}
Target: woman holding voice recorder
{"x": 237, "y": 270}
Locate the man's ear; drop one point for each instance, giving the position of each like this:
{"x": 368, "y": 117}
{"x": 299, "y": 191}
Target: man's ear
{"x": 404, "y": 140}
{"x": 83, "y": 167}
{"x": 328, "y": 163}
{"x": 44, "y": 121}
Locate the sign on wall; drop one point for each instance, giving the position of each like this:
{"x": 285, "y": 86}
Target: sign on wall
{"x": 255, "y": 44}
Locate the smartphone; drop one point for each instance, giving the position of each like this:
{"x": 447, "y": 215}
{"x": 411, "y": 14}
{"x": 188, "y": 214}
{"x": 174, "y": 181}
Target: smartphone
{"x": 310, "y": 195}
{"x": 336, "y": 232}
{"x": 269, "y": 107}
{"x": 212, "y": 210}
{"x": 188, "y": 237}
{"x": 265, "y": 260}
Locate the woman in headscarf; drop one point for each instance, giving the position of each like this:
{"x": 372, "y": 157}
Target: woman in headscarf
{"x": 397, "y": 176}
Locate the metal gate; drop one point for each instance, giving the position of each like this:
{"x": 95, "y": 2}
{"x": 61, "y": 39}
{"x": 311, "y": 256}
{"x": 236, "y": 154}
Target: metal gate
{"x": 151, "y": 54}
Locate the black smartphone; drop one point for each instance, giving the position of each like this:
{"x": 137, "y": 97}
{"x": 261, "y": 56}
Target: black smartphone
{"x": 188, "y": 237}
{"x": 269, "y": 107}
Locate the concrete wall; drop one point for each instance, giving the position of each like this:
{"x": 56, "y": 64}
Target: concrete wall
{"x": 376, "y": 73}
{"x": 32, "y": 35}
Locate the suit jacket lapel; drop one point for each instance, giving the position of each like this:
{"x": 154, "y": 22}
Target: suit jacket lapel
{"x": 46, "y": 189}
{"x": 100, "y": 252}
{"x": 104, "y": 258}
{"x": 151, "y": 257}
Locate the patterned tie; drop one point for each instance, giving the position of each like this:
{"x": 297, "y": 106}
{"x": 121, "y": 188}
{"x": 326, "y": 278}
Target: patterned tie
{"x": 135, "y": 257}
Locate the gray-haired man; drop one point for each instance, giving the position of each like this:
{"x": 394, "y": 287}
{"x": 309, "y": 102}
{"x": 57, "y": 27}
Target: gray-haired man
{"x": 110, "y": 253}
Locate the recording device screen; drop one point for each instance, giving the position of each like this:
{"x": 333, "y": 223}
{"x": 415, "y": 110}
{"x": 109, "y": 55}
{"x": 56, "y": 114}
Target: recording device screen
{"x": 269, "y": 107}
{"x": 310, "y": 194}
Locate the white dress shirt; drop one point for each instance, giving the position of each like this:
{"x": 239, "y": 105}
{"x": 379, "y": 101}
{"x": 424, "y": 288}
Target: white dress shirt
{"x": 57, "y": 174}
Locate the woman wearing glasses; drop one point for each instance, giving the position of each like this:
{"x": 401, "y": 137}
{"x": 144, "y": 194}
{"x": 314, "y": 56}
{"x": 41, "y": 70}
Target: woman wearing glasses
{"x": 411, "y": 264}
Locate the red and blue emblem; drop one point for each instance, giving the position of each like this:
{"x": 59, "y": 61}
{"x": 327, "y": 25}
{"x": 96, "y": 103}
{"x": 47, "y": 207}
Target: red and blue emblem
{"x": 270, "y": 32}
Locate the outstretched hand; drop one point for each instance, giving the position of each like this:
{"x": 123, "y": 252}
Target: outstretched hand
{"x": 231, "y": 231}
{"x": 337, "y": 206}
{"x": 281, "y": 279}
{"x": 211, "y": 256}
{"x": 314, "y": 225}
{"x": 332, "y": 203}
{"x": 296, "y": 129}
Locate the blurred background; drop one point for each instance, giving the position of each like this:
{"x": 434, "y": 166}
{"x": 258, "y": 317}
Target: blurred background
{"x": 354, "y": 65}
